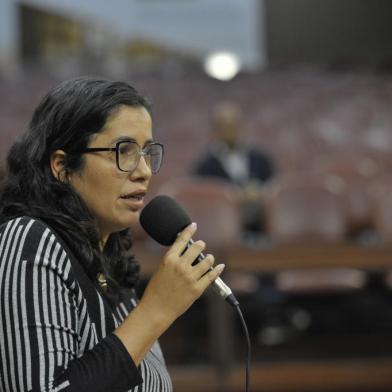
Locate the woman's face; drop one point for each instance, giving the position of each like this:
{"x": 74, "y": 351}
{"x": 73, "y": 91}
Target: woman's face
{"x": 114, "y": 197}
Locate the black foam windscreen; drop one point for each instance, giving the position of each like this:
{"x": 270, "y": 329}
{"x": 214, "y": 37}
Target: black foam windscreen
{"x": 163, "y": 218}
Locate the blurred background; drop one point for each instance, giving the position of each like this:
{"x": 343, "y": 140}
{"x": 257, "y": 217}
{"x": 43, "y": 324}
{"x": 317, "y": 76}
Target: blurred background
{"x": 302, "y": 89}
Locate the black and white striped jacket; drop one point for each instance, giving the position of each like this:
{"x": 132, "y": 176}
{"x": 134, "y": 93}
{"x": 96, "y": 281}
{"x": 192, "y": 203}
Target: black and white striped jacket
{"x": 56, "y": 325}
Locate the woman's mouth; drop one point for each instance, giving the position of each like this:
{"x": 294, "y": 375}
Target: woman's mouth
{"x": 134, "y": 199}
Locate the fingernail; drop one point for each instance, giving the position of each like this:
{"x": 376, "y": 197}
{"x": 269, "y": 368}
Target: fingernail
{"x": 220, "y": 267}
{"x": 194, "y": 225}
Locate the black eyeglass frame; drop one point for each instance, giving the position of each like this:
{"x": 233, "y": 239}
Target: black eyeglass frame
{"x": 141, "y": 153}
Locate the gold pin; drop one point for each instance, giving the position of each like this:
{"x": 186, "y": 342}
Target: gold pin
{"x": 102, "y": 281}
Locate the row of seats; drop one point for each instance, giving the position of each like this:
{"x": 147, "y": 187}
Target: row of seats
{"x": 296, "y": 207}
{"x": 284, "y": 110}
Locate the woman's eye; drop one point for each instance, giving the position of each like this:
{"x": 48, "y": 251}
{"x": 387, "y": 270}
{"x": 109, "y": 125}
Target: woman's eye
{"x": 124, "y": 150}
{"x": 127, "y": 149}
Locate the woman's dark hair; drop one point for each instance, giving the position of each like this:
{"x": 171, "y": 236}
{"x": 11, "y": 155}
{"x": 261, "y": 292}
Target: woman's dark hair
{"x": 65, "y": 119}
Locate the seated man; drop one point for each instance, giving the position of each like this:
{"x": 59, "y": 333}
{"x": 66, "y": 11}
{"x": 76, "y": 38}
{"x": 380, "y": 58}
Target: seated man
{"x": 230, "y": 159}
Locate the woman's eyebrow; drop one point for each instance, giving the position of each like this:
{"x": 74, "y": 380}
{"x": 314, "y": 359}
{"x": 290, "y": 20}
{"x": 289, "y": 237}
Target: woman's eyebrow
{"x": 147, "y": 142}
{"x": 124, "y": 138}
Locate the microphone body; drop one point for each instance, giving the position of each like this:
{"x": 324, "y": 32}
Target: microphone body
{"x": 163, "y": 218}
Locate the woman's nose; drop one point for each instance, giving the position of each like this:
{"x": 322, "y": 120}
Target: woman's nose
{"x": 142, "y": 169}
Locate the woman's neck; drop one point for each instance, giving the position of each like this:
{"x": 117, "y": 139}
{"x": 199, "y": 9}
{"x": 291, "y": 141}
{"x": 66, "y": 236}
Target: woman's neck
{"x": 102, "y": 243}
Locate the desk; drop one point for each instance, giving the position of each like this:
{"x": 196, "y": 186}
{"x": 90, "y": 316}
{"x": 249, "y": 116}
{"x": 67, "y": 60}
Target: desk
{"x": 300, "y": 257}
{"x": 285, "y": 257}
{"x": 357, "y": 374}
{"x": 362, "y": 375}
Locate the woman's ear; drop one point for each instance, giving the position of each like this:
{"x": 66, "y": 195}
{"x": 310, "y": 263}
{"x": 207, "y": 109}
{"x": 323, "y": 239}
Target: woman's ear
{"x": 57, "y": 160}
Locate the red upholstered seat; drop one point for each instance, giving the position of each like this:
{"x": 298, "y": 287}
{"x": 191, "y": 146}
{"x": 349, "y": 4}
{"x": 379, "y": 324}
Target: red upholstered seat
{"x": 212, "y": 204}
{"x": 304, "y": 208}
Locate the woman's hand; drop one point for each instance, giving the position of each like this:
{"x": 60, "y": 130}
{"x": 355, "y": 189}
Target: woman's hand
{"x": 170, "y": 292}
{"x": 177, "y": 284}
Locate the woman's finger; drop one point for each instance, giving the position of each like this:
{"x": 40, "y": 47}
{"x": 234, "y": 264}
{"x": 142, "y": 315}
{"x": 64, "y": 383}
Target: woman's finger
{"x": 193, "y": 252}
{"x": 203, "y": 266}
{"x": 210, "y": 276}
{"x": 181, "y": 243}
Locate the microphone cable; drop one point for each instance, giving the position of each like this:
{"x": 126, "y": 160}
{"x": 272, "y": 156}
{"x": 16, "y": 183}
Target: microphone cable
{"x": 248, "y": 349}
{"x": 232, "y": 300}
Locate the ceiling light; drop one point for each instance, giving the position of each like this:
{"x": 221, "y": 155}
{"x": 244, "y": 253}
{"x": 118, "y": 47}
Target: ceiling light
{"x": 222, "y": 65}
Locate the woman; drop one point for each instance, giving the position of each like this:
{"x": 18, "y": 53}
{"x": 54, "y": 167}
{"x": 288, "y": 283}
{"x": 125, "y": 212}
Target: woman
{"x": 76, "y": 181}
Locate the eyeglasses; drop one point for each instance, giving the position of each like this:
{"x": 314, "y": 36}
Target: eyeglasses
{"x": 128, "y": 155}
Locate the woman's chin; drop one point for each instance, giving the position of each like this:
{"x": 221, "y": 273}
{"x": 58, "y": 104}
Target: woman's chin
{"x": 123, "y": 222}
{"x": 129, "y": 220}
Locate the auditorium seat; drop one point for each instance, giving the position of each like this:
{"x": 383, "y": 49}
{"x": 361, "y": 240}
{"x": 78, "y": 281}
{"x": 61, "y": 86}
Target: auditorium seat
{"x": 212, "y": 204}
{"x": 304, "y": 208}
{"x": 356, "y": 170}
{"x": 380, "y": 192}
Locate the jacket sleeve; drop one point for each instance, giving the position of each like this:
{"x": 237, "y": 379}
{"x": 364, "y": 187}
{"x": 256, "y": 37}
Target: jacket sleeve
{"x": 42, "y": 322}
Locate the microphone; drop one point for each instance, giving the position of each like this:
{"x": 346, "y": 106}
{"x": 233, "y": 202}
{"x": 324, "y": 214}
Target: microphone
{"x": 163, "y": 218}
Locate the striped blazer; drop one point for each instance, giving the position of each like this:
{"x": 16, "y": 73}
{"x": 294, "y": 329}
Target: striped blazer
{"x": 56, "y": 327}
